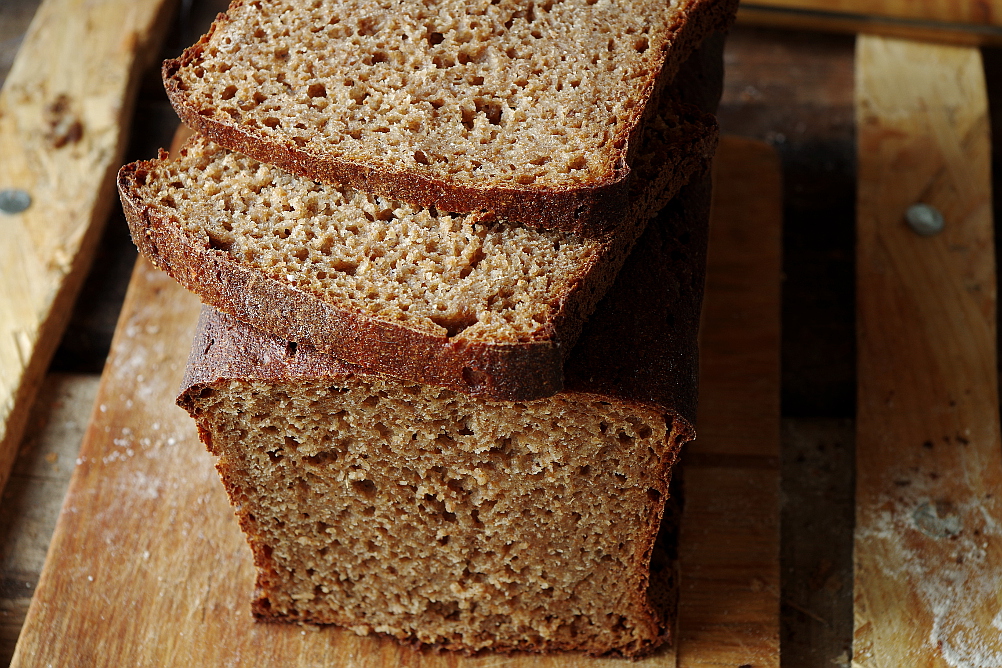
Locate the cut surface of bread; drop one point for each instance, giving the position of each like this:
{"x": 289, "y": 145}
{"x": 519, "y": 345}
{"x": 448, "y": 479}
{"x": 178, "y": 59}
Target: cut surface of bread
{"x": 528, "y": 111}
{"x": 487, "y": 308}
{"x": 441, "y": 519}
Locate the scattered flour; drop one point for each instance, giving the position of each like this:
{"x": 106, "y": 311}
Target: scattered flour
{"x": 961, "y": 586}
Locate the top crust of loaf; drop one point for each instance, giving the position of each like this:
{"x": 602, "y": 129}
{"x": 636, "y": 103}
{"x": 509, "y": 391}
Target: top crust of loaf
{"x": 527, "y": 112}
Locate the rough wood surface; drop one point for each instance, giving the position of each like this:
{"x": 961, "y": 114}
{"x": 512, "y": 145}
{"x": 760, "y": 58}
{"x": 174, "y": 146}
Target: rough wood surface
{"x": 64, "y": 109}
{"x": 986, "y": 12}
{"x": 34, "y": 493}
{"x": 954, "y": 21}
{"x": 928, "y": 449}
{"x": 147, "y": 566}
{"x": 729, "y": 538}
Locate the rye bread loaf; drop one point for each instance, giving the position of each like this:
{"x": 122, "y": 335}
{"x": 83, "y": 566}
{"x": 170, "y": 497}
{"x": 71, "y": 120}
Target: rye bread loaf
{"x": 487, "y": 308}
{"x": 437, "y": 518}
{"x": 527, "y": 111}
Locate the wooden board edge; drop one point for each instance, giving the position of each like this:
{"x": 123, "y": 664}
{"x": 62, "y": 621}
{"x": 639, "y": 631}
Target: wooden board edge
{"x": 766, "y": 16}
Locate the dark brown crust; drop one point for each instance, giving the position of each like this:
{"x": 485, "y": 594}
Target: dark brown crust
{"x": 650, "y": 361}
{"x": 584, "y": 209}
{"x": 514, "y": 371}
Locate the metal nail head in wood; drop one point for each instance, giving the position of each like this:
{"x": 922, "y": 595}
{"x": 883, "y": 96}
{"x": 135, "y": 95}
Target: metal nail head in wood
{"x": 924, "y": 219}
{"x": 13, "y": 200}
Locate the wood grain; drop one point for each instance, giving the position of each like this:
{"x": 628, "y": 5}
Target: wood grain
{"x": 983, "y": 12}
{"x": 971, "y": 22}
{"x": 64, "y": 112}
{"x": 34, "y": 493}
{"x": 729, "y": 538}
{"x": 148, "y": 567}
{"x": 928, "y": 587}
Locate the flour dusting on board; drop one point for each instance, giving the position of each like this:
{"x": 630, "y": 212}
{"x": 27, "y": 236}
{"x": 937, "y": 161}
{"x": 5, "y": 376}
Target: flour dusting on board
{"x": 949, "y": 553}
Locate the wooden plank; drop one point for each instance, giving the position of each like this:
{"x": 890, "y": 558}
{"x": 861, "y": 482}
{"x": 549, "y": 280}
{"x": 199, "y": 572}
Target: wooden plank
{"x": 729, "y": 539}
{"x": 928, "y": 587}
{"x": 970, "y": 22}
{"x": 978, "y": 12}
{"x": 64, "y": 110}
{"x": 34, "y": 493}
{"x": 148, "y": 568}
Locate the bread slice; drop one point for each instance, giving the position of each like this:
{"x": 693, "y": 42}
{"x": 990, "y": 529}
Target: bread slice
{"x": 530, "y": 112}
{"x": 486, "y": 308}
{"x": 410, "y": 510}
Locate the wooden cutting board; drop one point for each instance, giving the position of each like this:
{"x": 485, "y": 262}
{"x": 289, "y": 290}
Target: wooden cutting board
{"x": 148, "y": 568}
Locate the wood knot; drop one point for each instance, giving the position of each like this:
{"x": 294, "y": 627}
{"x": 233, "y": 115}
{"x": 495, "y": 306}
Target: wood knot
{"x": 63, "y": 125}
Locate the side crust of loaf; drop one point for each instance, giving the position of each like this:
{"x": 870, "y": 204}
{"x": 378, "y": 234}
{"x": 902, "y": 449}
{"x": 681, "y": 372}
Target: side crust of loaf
{"x": 228, "y": 356}
{"x": 584, "y": 208}
{"x": 508, "y": 370}
{"x": 645, "y": 362}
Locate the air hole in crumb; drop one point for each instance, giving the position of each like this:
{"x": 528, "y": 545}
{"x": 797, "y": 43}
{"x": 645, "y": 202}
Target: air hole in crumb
{"x": 475, "y": 259}
{"x": 290, "y": 348}
{"x": 229, "y": 92}
{"x": 291, "y": 443}
{"x": 275, "y": 457}
{"x": 468, "y": 116}
{"x": 490, "y": 109}
{"x": 215, "y": 243}
{"x": 364, "y": 488}
{"x": 345, "y": 267}
{"x": 455, "y": 324}
{"x": 654, "y": 495}
{"x": 321, "y": 458}
{"x": 420, "y": 157}
{"x": 317, "y": 90}
{"x": 436, "y": 38}
{"x": 271, "y": 122}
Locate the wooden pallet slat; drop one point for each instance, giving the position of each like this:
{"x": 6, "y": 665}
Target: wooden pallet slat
{"x": 729, "y": 538}
{"x": 928, "y": 586}
{"x": 971, "y": 22}
{"x": 64, "y": 112}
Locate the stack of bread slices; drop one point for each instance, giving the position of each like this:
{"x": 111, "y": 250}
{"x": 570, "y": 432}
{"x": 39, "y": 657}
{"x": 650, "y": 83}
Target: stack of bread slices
{"x": 403, "y": 218}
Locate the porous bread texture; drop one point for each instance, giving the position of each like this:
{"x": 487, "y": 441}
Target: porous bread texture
{"x": 439, "y": 273}
{"x": 392, "y": 469}
{"x": 437, "y": 518}
{"x": 529, "y": 110}
{"x": 487, "y": 308}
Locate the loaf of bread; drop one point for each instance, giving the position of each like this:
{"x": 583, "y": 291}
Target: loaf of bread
{"x": 441, "y": 519}
{"x": 487, "y": 308}
{"x": 530, "y": 112}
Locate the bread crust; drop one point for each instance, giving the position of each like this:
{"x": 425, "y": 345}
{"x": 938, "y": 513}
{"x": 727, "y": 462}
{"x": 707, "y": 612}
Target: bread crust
{"x": 507, "y": 370}
{"x": 649, "y": 361}
{"x": 583, "y": 209}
